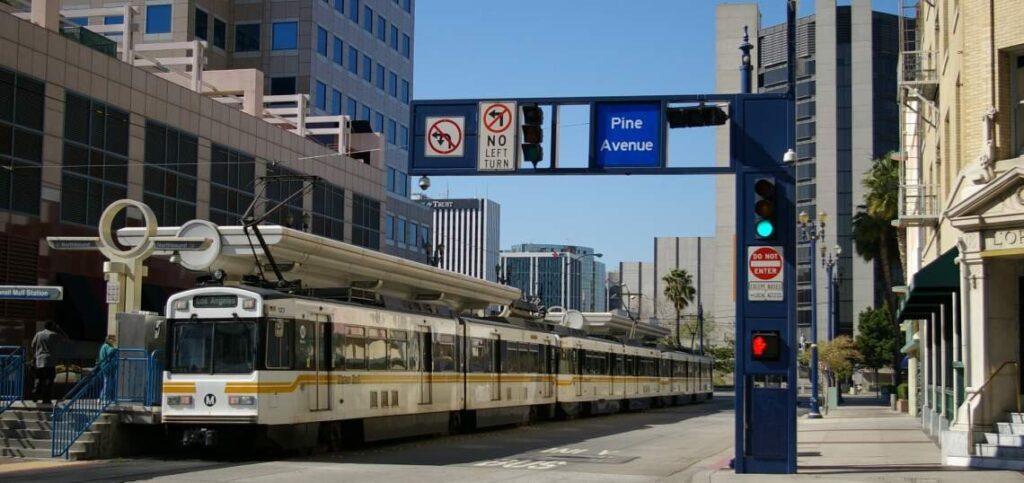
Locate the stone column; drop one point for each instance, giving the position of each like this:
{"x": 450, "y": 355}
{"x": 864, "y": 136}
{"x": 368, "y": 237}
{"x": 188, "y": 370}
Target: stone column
{"x": 934, "y": 347}
{"x": 46, "y": 14}
{"x": 926, "y": 354}
{"x": 942, "y": 359}
{"x": 956, "y": 355}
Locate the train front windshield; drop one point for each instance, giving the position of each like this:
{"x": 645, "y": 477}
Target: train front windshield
{"x": 213, "y": 347}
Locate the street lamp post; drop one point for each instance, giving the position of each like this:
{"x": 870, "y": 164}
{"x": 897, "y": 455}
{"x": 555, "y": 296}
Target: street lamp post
{"x": 811, "y": 232}
{"x": 829, "y": 261}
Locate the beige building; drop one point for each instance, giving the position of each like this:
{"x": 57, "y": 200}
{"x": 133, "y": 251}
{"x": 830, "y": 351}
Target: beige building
{"x": 962, "y": 214}
{"x": 80, "y": 127}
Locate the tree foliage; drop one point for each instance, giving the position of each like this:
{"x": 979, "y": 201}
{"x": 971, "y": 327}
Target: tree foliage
{"x": 875, "y": 239}
{"x": 878, "y": 340}
{"x": 691, "y": 328}
{"x": 680, "y": 292}
{"x": 839, "y": 356}
{"x": 724, "y": 356}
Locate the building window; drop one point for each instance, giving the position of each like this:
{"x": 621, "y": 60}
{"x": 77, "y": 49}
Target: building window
{"x": 95, "y": 159}
{"x": 339, "y": 51}
{"x": 202, "y": 25}
{"x": 114, "y": 20}
{"x": 401, "y": 183}
{"x": 247, "y": 37}
{"x": 382, "y": 28}
{"x": 365, "y": 222}
{"x": 329, "y": 211}
{"x": 390, "y": 179}
{"x": 412, "y": 235}
{"x": 21, "y": 142}
{"x": 321, "y": 96}
{"x": 805, "y": 130}
{"x": 321, "y": 41}
{"x": 389, "y": 227}
{"x": 231, "y": 184}
{"x": 351, "y": 105}
{"x": 806, "y": 191}
{"x": 80, "y": 21}
{"x": 367, "y": 68}
{"x": 335, "y": 102}
{"x": 1018, "y": 102}
{"x": 339, "y": 6}
{"x": 353, "y": 10}
{"x": 378, "y": 122}
{"x": 400, "y": 231}
{"x": 367, "y": 18}
{"x": 364, "y": 113}
{"x": 425, "y": 237}
{"x": 392, "y": 133}
{"x": 282, "y": 86}
{"x": 393, "y": 84}
{"x": 380, "y": 77}
{"x": 158, "y": 19}
{"x": 281, "y": 184}
{"x": 285, "y": 36}
{"x": 170, "y": 174}
{"x": 405, "y": 91}
{"x": 220, "y": 33}
{"x": 406, "y": 46}
{"x": 353, "y": 60}
{"x": 403, "y": 137}
{"x": 407, "y": 6}
{"x": 393, "y": 40}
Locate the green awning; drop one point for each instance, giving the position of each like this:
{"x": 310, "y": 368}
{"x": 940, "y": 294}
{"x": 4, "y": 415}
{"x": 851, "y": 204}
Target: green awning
{"x": 931, "y": 286}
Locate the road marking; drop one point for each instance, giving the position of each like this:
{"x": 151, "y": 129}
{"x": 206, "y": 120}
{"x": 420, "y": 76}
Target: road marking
{"x": 524, "y": 464}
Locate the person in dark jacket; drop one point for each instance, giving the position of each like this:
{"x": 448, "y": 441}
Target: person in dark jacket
{"x": 44, "y": 349}
{"x": 107, "y": 350}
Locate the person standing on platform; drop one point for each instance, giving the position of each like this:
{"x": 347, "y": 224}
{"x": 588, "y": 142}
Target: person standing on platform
{"x": 44, "y": 348}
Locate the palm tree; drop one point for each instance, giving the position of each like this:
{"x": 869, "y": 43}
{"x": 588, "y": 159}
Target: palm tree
{"x": 875, "y": 239}
{"x": 679, "y": 290}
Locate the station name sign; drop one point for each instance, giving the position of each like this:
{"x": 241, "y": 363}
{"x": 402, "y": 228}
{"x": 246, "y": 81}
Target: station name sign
{"x": 31, "y": 292}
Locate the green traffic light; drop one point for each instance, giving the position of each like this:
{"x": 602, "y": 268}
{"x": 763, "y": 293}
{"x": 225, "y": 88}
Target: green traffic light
{"x": 764, "y": 228}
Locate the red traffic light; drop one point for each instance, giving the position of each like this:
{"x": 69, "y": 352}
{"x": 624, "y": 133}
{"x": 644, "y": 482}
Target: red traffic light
{"x": 764, "y": 346}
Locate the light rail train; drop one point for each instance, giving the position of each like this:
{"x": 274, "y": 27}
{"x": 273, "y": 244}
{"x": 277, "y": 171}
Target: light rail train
{"x": 299, "y": 371}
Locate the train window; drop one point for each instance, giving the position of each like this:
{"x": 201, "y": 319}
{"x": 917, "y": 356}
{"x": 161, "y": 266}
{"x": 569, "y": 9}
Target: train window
{"x": 192, "y": 347}
{"x": 479, "y": 355}
{"x": 279, "y": 344}
{"x": 566, "y": 365}
{"x": 338, "y": 347}
{"x": 399, "y": 351}
{"x": 619, "y": 365}
{"x": 305, "y": 345}
{"x": 509, "y": 357}
{"x": 377, "y": 349}
{"x": 355, "y": 348}
{"x": 629, "y": 371}
{"x": 444, "y": 353}
{"x": 234, "y": 347}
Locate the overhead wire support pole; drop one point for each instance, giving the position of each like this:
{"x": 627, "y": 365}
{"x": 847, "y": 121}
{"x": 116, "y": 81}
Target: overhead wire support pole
{"x": 250, "y": 222}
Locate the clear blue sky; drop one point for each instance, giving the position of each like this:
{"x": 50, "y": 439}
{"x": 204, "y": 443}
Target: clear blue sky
{"x": 532, "y": 48}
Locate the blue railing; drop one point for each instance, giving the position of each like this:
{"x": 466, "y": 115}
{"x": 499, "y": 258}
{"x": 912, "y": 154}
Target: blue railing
{"x": 123, "y": 377}
{"x": 12, "y": 375}
{"x": 155, "y": 380}
{"x": 85, "y": 402}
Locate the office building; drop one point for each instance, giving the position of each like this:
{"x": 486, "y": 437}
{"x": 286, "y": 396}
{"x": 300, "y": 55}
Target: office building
{"x": 351, "y": 57}
{"x": 641, "y": 285}
{"x": 81, "y": 128}
{"x": 464, "y": 235}
{"x": 962, "y": 213}
{"x": 846, "y": 115}
{"x": 566, "y": 276}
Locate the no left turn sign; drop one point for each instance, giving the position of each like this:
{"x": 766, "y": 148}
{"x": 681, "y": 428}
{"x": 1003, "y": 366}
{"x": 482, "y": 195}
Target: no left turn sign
{"x": 445, "y": 136}
{"x": 496, "y": 149}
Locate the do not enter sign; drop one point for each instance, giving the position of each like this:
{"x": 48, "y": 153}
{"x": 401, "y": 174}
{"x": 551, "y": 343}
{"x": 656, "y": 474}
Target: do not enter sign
{"x": 765, "y": 274}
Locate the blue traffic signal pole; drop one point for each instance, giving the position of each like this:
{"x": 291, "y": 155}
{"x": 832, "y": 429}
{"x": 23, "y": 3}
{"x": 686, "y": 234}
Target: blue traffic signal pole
{"x": 814, "y": 413}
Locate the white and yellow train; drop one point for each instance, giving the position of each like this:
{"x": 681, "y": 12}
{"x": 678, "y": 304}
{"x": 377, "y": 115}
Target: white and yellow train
{"x": 300, "y": 371}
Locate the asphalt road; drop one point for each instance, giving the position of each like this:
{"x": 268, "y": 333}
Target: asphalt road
{"x": 669, "y": 444}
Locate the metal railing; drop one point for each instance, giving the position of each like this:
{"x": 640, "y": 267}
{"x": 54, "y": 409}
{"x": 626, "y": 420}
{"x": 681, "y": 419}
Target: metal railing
{"x": 83, "y": 404}
{"x": 919, "y": 67}
{"x": 155, "y": 379}
{"x": 920, "y": 201}
{"x": 970, "y": 425}
{"x": 12, "y": 375}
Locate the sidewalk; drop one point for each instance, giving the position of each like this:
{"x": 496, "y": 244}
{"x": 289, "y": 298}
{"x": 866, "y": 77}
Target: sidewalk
{"x": 864, "y": 441}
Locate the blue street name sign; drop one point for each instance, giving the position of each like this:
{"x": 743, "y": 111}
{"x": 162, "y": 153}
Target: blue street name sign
{"x": 627, "y": 135}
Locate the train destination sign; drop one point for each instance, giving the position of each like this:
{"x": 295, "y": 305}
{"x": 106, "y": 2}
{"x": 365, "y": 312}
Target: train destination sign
{"x": 627, "y": 134}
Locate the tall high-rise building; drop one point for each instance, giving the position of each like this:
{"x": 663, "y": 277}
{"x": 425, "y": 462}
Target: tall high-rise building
{"x": 352, "y": 57}
{"x": 465, "y": 236}
{"x": 846, "y": 115}
{"x": 561, "y": 275}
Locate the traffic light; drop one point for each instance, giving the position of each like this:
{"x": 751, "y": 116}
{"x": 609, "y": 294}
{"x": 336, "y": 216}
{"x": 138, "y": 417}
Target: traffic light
{"x": 764, "y": 209}
{"x": 533, "y": 133}
{"x": 764, "y": 346}
{"x": 696, "y": 116}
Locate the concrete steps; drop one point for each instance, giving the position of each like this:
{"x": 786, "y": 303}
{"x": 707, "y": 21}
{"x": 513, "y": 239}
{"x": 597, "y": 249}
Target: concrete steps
{"x": 28, "y": 433}
{"x": 1004, "y": 448}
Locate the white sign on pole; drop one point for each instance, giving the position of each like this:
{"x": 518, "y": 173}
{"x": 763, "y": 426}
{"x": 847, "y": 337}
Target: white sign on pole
{"x": 445, "y": 136}
{"x": 113, "y": 292}
{"x": 497, "y": 141}
{"x": 765, "y": 274}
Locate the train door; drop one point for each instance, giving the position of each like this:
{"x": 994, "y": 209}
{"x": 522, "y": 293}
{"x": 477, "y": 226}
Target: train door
{"x": 581, "y": 355}
{"x": 427, "y": 365}
{"x": 550, "y": 370}
{"x": 320, "y": 395}
{"x": 496, "y": 367}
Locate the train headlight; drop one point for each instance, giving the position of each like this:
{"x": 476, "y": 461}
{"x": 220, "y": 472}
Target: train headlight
{"x": 181, "y": 304}
{"x": 249, "y": 304}
{"x": 242, "y": 400}
{"x": 179, "y": 400}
